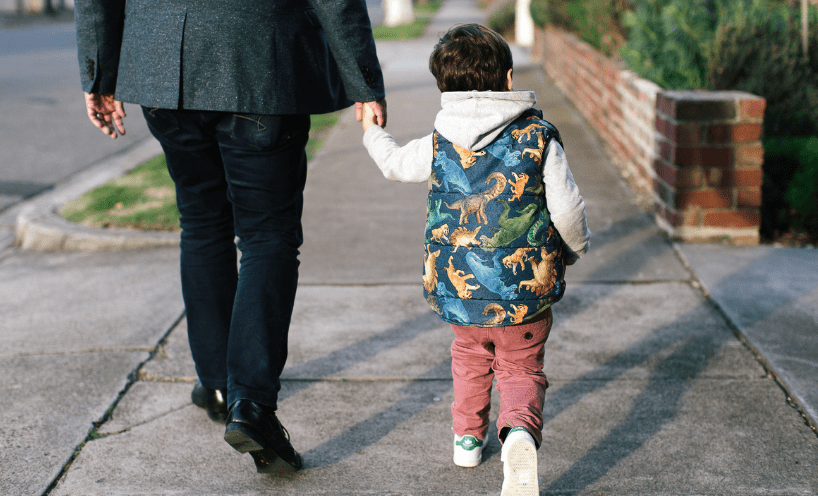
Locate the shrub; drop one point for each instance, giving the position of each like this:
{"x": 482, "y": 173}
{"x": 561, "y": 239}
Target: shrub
{"x": 790, "y": 187}
{"x": 668, "y": 41}
{"x": 596, "y": 22}
{"x": 758, "y": 49}
{"x": 802, "y": 192}
{"x": 503, "y": 19}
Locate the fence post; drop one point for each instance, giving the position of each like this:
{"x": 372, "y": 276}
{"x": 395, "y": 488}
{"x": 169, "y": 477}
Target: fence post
{"x": 523, "y": 24}
{"x": 397, "y": 12}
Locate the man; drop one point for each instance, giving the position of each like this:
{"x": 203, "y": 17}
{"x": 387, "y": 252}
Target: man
{"x": 227, "y": 88}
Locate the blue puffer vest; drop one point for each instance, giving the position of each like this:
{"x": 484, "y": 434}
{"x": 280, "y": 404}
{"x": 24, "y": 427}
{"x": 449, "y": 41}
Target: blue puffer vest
{"x": 493, "y": 257}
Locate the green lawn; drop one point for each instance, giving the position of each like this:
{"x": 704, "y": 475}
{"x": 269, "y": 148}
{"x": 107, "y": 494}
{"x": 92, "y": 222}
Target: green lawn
{"x": 423, "y": 14}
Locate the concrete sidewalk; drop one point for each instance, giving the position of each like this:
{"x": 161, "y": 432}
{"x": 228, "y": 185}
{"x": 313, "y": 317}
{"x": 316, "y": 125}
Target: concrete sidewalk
{"x": 670, "y": 365}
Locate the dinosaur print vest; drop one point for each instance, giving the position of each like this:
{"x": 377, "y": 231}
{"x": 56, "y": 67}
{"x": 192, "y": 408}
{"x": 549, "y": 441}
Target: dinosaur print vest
{"x": 493, "y": 257}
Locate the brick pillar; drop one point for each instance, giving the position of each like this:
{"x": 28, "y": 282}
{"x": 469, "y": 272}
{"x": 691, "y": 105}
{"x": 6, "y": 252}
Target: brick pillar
{"x": 708, "y": 175}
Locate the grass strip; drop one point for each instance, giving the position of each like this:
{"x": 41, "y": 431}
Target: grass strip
{"x": 423, "y": 15}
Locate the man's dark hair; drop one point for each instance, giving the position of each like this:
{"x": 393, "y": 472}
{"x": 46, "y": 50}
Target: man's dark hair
{"x": 471, "y": 57}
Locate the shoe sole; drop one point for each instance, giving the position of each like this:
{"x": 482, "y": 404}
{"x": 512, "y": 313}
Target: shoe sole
{"x": 522, "y": 462}
{"x": 268, "y": 462}
{"x": 467, "y": 463}
{"x": 244, "y": 440}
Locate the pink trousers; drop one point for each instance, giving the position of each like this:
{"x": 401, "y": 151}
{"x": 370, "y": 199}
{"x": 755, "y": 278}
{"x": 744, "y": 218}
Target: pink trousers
{"x": 512, "y": 354}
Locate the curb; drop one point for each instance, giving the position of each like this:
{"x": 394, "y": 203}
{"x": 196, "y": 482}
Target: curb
{"x": 39, "y": 227}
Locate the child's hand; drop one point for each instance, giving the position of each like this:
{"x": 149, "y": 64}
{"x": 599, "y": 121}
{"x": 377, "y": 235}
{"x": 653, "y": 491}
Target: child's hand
{"x": 368, "y": 118}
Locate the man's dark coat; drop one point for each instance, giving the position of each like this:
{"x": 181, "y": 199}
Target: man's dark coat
{"x": 255, "y": 56}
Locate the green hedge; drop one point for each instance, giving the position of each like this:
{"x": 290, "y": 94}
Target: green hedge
{"x": 597, "y": 22}
{"x": 759, "y": 50}
{"x": 747, "y": 45}
{"x": 668, "y": 41}
{"x": 790, "y": 189}
{"x": 503, "y": 20}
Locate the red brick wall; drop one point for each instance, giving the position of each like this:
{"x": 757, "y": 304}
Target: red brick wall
{"x": 695, "y": 156}
{"x": 708, "y": 172}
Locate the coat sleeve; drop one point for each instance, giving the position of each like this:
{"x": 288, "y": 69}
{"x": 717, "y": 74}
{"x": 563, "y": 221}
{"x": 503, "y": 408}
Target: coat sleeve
{"x": 99, "y": 39}
{"x": 348, "y": 31}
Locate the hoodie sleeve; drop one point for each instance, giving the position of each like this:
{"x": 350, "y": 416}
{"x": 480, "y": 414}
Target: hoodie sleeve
{"x": 566, "y": 206}
{"x": 410, "y": 163}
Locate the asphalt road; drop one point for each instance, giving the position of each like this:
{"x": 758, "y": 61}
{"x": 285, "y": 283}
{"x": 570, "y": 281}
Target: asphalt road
{"x": 45, "y": 135}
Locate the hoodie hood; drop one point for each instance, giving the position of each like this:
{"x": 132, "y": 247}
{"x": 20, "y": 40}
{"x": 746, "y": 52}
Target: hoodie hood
{"x": 473, "y": 119}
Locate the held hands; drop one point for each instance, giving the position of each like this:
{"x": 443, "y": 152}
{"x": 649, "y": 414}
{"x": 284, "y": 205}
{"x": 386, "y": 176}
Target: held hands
{"x": 105, "y": 113}
{"x": 370, "y": 113}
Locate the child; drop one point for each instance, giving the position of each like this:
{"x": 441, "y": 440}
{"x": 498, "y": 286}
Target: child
{"x": 504, "y": 218}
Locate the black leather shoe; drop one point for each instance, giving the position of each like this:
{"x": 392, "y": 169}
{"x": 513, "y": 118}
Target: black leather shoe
{"x": 252, "y": 429}
{"x": 214, "y": 401}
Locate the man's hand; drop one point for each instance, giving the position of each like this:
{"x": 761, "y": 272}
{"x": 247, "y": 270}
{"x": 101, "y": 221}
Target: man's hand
{"x": 369, "y": 118}
{"x": 377, "y": 108}
{"x": 105, "y": 113}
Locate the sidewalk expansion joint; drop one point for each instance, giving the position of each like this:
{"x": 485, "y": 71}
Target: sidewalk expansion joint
{"x": 735, "y": 328}
{"x": 132, "y": 378}
{"x": 643, "y": 282}
{"x": 356, "y": 284}
{"x": 375, "y": 379}
{"x": 97, "y": 435}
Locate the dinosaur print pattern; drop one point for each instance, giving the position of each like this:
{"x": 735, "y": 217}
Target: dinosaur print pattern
{"x": 463, "y": 237}
{"x": 476, "y": 203}
{"x": 449, "y": 174}
{"x": 519, "y": 257}
{"x": 441, "y": 233}
{"x": 434, "y": 215}
{"x": 429, "y": 272}
{"x": 536, "y": 153}
{"x": 467, "y": 157}
{"x": 491, "y": 276}
{"x": 545, "y": 272}
{"x": 518, "y": 185}
{"x": 493, "y": 257}
{"x": 525, "y": 132}
{"x": 459, "y": 280}
{"x": 502, "y": 150}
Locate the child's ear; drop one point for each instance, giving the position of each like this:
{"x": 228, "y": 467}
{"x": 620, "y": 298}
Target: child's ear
{"x": 509, "y": 82}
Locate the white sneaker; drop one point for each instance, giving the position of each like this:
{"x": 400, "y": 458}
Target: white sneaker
{"x": 468, "y": 451}
{"x": 519, "y": 457}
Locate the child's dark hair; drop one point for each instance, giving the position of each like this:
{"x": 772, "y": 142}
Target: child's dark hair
{"x": 471, "y": 57}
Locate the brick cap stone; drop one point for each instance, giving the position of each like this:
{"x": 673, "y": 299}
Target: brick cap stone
{"x": 739, "y": 236}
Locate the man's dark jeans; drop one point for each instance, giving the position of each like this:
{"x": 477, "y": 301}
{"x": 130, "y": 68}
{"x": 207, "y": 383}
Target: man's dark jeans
{"x": 237, "y": 175}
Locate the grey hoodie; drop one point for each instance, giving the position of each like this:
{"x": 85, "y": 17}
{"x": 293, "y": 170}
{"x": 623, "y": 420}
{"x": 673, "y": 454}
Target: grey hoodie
{"x": 472, "y": 120}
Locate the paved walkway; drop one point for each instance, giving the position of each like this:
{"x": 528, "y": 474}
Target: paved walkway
{"x": 670, "y": 365}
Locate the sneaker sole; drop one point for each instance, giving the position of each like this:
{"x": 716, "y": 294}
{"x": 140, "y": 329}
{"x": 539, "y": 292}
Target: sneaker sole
{"x": 466, "y": 463}
{"x": 522, "y": 462}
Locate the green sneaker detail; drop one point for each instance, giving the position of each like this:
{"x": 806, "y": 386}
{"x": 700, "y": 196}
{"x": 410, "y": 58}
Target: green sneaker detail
{"x": 469, "y": 443}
